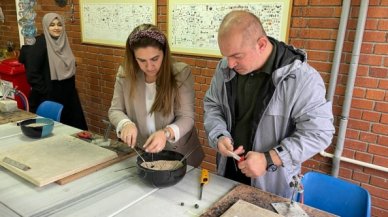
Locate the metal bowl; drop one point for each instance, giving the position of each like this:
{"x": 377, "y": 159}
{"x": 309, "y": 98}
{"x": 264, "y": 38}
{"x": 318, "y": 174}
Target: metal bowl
{"x": 37, "y": 127}
{"x": 161, "y": 178}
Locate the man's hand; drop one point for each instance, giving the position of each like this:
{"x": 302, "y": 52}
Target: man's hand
{"x": 129, "y": 134}
{"x": 224, "y": 145}
{"x": 156, "y": 142}
{"x": 254, "y": 164}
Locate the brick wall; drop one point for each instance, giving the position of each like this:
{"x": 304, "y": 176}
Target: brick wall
{"x": 313, "y": 28}
{"x": 9, "y": 29}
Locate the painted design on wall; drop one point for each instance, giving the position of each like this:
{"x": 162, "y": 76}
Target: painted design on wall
{"x": 27, "y": 20}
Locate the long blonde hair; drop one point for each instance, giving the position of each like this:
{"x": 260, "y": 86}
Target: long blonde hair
{"x": 146, "y": 35}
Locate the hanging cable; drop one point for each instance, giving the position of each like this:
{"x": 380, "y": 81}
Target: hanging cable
{"x": 24, "y": 99}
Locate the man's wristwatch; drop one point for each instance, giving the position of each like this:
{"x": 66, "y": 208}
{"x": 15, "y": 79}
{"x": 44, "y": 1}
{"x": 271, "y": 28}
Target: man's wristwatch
{"x": 271, "y": 167}
{"x": 167, "y": 134}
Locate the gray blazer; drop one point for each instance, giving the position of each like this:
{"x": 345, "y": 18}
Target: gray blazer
{"x": 134, "y": 109}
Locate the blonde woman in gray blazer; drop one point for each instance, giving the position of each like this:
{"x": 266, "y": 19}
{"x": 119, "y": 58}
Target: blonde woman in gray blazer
{"x": 153, "y": 100}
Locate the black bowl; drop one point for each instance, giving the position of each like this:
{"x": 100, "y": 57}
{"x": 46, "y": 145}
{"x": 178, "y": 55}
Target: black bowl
{"x": 37, "y": 127}
{"x": 161, "y": 178}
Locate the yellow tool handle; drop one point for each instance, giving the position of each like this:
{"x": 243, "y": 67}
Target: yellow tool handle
{"x": 204, "y": 176}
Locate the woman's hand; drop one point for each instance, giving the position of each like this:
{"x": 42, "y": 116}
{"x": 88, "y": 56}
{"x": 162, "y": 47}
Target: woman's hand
{"x": 156, "y": 142}
{"x": 129, "y": 134}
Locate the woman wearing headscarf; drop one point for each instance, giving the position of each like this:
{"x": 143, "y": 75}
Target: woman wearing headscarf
{"x": 50, "y": 68}
{"x": 153, "y": 99}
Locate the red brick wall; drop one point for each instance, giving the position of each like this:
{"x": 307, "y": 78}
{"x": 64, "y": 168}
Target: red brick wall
{"x": 314, "y": 27}
{"x": 8, "y": 29}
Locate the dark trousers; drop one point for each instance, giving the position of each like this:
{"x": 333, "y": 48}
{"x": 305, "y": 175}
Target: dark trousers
{"x": 233, "y": 172}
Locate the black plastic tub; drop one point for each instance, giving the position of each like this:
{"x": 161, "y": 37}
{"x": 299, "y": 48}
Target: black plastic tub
{"x": 161, "y": 178}
{"x": 37, "y": 127}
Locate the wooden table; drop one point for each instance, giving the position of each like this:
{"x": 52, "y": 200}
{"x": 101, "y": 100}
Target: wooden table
{"x": 18, "y": 115}
{"x": 112, "y": 191}
{"x": 257, "y": 197}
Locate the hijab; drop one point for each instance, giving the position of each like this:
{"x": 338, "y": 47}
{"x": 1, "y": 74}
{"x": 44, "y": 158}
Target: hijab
{"x": 61, "y": 58}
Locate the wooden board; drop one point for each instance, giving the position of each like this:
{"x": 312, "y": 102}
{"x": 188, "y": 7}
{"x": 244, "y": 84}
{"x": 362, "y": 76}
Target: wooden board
{"x": 18, "y": 115}
{"x": 244, "y": 209}
{"x": 257, "y": 197}
{"x": 53, "y": 158}
{"x": 122, "y": 150}
{"x": 93, "y": 169}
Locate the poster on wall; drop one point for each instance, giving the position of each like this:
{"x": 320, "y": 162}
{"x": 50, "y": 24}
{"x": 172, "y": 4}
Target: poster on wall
{"x": 193, "y": 24}
{"x": 109, "y": 22}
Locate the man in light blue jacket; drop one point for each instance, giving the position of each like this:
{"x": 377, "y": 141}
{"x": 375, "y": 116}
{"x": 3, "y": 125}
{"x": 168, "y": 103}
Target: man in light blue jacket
{"x": 266, "y": 103}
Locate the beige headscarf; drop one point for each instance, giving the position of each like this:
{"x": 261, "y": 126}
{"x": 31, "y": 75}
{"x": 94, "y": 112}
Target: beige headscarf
{"x": 61, "y": 58}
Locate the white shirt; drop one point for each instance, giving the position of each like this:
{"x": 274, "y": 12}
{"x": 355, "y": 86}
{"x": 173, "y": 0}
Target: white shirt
{"x": 150, "y": 93}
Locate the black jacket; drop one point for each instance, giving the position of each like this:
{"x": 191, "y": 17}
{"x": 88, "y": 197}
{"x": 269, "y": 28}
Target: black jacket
{"x": 35, "y": 59}
{"x": 36, "y": 63}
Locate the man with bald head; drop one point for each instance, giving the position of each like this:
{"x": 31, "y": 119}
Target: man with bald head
{"x": 265, "y": 103}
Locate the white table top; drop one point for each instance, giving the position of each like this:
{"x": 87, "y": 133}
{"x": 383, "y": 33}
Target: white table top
{"x": 167, "y": 201}
{"x": 107, "y": 192}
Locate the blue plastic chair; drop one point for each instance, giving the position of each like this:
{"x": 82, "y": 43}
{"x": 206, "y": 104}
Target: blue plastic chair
{"x": 50, "y": 109}
{"x": 335, "y": 195}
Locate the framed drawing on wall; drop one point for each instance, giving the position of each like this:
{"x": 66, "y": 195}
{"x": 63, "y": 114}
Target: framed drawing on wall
{"x": 109, "y": 22}
{"x": 193, "y": 24}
